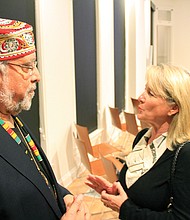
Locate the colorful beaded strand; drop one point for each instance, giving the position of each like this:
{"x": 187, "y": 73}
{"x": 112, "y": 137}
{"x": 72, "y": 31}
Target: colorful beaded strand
{"x": 10, "y": 131}
{"x": 33, "y": 147}
{"x": 18, "y": 140}
{"x": 30, "y": 141}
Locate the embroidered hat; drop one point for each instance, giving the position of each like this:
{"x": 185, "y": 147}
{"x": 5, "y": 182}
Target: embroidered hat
{"x": 16, "y": 39}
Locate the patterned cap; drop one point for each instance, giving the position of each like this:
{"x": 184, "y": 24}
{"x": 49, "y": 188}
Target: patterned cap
{"x": 16, "y": 39}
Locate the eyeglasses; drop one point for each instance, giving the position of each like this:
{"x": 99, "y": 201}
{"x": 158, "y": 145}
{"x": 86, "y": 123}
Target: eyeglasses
{"x": 27, "y": 68}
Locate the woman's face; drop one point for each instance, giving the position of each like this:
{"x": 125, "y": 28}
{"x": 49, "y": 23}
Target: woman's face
{"x": 154, "y": 109}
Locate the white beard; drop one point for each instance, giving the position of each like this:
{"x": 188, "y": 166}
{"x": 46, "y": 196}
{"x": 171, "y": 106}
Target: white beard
{"x": 12, "y": 107}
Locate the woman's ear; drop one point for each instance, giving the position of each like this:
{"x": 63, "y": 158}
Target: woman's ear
{"x": 174, "y": 109}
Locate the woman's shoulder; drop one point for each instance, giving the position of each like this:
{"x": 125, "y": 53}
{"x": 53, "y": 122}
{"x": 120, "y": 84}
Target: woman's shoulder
{"x": 185, "y": 151}
{"x": 183, "y": 159}
{"x": 186, "y": 147}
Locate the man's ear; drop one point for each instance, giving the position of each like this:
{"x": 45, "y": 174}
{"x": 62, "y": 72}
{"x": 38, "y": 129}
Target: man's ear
{"x": 174, "y": 109}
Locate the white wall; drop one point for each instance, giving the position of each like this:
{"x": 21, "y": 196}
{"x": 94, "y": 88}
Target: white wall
{"x": 56, "y": 62}
{"x": 57, "y": 88}
{"x": 137, "y": 47}
{"x": 105, "y": 62}
{"x": 180, "y": 30}
{"x": 181, "y": 33}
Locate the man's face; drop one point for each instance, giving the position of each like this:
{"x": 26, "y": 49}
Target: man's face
{"x": 18, "y": 85}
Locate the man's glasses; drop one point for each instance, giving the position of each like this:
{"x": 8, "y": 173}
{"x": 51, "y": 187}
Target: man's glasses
{"x": 27, "y": 68}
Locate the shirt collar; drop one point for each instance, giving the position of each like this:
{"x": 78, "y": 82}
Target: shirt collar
{"x": 156, "y": 141}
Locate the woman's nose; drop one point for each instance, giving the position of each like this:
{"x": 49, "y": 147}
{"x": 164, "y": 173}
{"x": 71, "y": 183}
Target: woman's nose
{"x": 141, "y": 98}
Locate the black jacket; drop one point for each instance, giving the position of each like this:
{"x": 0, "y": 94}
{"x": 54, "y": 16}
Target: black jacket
{"x": 23, "y": 192}
{"x": 149, "y": 195}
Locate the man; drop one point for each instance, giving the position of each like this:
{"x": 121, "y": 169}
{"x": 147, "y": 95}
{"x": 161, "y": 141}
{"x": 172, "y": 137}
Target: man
{"x": 28, "y": 187}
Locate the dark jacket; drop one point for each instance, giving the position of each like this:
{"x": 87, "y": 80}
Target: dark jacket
{"x": 23, "y": 192}
{"x": 149, "y": 195}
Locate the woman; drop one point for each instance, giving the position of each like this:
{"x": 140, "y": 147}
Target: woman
{"x": 144, "y": 187}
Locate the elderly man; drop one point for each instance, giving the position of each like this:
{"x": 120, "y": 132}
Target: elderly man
{"x": 28, "y": 187}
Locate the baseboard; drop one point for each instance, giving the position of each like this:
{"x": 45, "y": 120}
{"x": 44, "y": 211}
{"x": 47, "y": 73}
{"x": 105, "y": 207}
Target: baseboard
{"x": 70, "y": 176}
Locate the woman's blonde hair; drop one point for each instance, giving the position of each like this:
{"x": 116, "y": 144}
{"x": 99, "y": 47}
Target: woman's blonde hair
{"x": 173, "y": 84}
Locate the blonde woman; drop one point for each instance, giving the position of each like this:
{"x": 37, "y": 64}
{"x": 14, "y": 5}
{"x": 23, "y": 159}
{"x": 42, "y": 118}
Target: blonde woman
{"x": 146, "y": 189}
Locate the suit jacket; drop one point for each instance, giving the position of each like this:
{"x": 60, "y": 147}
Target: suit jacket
{"x": 149, "y": 195}
{"x": 23, "y": 192}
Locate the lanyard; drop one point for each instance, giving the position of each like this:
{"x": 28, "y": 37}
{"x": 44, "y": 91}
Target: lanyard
{"x": 27, "y": 137}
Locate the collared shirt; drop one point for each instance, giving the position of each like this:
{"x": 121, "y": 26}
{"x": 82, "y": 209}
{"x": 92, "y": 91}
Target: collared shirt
{"x": 144, "y": 156}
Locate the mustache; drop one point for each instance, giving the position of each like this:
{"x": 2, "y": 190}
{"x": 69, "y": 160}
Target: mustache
{"x": 31, "y": 88}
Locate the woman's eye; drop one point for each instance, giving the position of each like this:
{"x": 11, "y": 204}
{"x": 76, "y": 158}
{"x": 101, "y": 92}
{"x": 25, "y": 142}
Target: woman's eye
{"x": 150, "y": 93}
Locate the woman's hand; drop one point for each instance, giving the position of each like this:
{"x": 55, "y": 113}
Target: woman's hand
{"x": 114, "y": 201}
{"x": 99, "y": 184}
{"x": 76, "y": 210}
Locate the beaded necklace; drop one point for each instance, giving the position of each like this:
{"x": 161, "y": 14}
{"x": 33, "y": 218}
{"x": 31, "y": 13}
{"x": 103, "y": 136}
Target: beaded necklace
{"x": 29, "y": 140}
{"x": 10, "y": 131}
{"x": 18, "y": 140}
{"x": 29, "y": 144}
